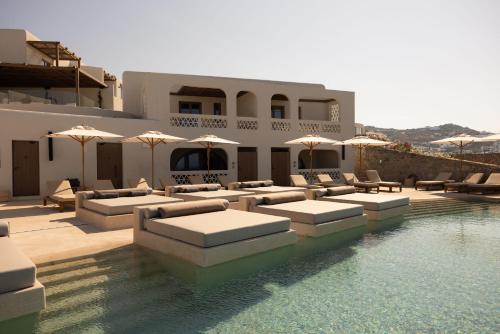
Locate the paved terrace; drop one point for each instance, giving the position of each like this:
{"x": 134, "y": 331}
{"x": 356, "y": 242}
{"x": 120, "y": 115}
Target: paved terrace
{"x": 45, "y": 234}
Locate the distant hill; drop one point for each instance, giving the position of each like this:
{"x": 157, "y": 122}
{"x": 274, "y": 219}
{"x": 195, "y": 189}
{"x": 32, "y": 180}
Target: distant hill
{"x": 420, "y": 137}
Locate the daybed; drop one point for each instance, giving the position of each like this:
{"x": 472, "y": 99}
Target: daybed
{"x": 438, "y": 182}
{"x": 471, "y": 178}
{"x": 207, "y": 233}
{"x": 20, "y": 292}
{"x": 113, "y": 209}
{"x": 60, "y": 193}
{"x": 374, "y": 177}
{"x": 261, "y": 187}
{"x": 309, "y": 218}
{"x": 376, "y": 206}
{"x": 196, "y": 192}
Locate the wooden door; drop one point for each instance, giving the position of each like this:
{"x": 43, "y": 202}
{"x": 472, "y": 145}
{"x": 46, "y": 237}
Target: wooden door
{"x": 25, "y": 168}
{"x": 280, "y": 166}
{"x": 110, "y": 163}
{"x": 247, "y": 164}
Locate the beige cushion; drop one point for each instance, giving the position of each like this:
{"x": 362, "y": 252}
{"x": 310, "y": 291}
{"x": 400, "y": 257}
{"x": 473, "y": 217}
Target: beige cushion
{"x": 273, "y": 189}
{"x": 61, "y": 187}
{"x": 350, "y": 178}
{"x": 325, "y": 178}
{"x": 17, "y": 271}
{"x": 284, "y": 197}
{"x": 429, "y": 183}
{"x": 67, "y": 198}
{"x": 342, "y": 190}
{"x": 473, "y": 178}
{"x": 230, "y": 195}
{"x": 443, "y": 176}
{"x": 389, "y": 184}
{"x": 494, "y": 178}
{"x": 373, "y": 175}
{"x": 192, "y": 208}
{"x": 298, "y": 181}
{"x": 217, "y": 228}
{"x": 103, "y": 185}
{"x": 312, "y": 212}
{"x": 124, "y": 205}
{"x": 372, "y": 202}
{"x": 223, "y": 180}
{"x": 138, "y": 182}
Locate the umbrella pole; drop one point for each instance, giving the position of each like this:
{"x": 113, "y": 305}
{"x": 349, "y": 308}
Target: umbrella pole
{"x": 208, "y": 161}
{"x": 461, "y": 159}
{"x": 360, "y": 157}
{"x": 311, "y": 164}
{"x": 152, "y": 165}
{"x": 82, "y": 143}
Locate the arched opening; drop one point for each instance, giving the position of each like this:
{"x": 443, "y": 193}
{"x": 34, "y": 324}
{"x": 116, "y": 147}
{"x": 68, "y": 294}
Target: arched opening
{"x": 246, "y": 104}
{"x": 319, "y": 110}
{"x": 198, "y": 100}
{"x": 280, "y": 106}
{"x": 195, "y": 159}
{"x": 321, "y": 159}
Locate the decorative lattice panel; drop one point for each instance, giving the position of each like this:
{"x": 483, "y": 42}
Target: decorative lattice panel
{"x": 334, "y": 174}
{"x": 280, "y": 126}
{"x": 334, "y": 111}
{"x": 315, "y": 127}
{"x": 184, "y": 121}
{"x": 332, "y": 127}
{"x": 183, "y": 178}
{"x": 309, "y": 127}
{"x": 216, "y": 123}
{"x": 247, "y": 125}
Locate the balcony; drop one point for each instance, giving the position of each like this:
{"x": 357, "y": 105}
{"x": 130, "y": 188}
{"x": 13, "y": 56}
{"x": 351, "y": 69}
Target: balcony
{"x": 319, "y": 126}
{"x": 247, "y": 123}
{"x": 198, "y": 121}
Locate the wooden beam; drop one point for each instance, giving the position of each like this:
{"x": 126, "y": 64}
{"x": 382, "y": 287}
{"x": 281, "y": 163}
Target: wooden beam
{"x": 57, "y": 54}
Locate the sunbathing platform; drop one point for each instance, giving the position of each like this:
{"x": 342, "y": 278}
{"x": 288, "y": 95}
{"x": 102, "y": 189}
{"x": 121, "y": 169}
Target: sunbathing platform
{"x": 261, "y": 187}
{"x": 196, "y": 192}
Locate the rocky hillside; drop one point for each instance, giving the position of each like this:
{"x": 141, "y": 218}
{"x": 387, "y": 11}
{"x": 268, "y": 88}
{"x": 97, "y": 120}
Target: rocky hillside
{"x": 420, "y": 137}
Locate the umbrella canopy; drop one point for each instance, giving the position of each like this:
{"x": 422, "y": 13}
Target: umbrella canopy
{"x": 363, "y": 141}
{"x": 209, "y": 141}
{"x": 311, "y": 141}
{"x": 83, "y": 134}
{"x": 489, "y": 138}
{"x": 152, "y": 139}
{"x": 461, "y": 141}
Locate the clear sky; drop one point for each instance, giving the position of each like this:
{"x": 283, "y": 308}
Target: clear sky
{"x": 411, "y": 63}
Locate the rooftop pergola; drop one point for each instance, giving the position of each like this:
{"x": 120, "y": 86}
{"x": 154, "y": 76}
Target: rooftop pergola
{"x": 55, "y": 50}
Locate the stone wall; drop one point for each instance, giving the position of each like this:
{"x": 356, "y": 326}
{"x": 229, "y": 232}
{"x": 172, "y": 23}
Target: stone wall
{"x": 395, "y": 165}
{"x": 489, "y": 158}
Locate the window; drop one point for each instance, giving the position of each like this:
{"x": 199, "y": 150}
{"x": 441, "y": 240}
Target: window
{"x": 300, "y": 112}
{"x": 217, "y": 109}
{"x": 278, "y": 111}
{"x": 190, "y": 108}
{"x": 190, "y": 159}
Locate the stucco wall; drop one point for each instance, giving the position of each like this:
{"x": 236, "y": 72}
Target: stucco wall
{"x": 394, "y": 165}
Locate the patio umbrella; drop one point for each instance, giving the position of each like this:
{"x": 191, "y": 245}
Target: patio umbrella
{"x": 364, "y": 141}
{"x": 460, "y": 141}
{"x": 83, "y": 134}
{"x": 489, "y": 138}
{"x": 152, "y": 139}
{"x": 209, "y": 142}
{"x": 311, "y": 141}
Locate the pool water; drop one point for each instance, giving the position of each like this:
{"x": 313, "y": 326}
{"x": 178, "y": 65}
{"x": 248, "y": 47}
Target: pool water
{"x": 424, "y": 273}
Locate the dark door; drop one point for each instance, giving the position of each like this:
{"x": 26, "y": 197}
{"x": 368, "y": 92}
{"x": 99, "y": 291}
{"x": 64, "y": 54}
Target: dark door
{"x": 25, "y": 168}
{"x": 247, "y": 164}
{"x": 280, "y": 166}
{"x": 110, "y": 163}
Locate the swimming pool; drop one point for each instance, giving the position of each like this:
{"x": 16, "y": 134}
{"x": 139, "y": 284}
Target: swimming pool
{"x": 425, "y": 273}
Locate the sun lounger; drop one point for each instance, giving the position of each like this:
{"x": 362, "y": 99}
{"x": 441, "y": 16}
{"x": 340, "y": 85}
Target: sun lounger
{"x": 196, "y": 192}
{"x": 352, "y": 180}
{"x": 471, "y": 178}
{"x": 20, "y": 291}
{"x": 60, "y": 193}
{"x": 309, "y": 218}
{"x": 113, "y": 209}
{"x": 167, "y": 182}
{"x": 374, "y": 177}
{"x": 207, "y": 233}
{"x": 141, "y": 183}
{"x": 299, "y": 181}
{"x": 376, "y": 206}
{"x": 438, "y": 182}
{"x": 196, "y": 179}
{"x": 261, "y": 187}
{"x": 326, "y": 180}
{"x": 103, "y": 185}
{"x": 491, "y": 185}
{"x": 224, "y": 180}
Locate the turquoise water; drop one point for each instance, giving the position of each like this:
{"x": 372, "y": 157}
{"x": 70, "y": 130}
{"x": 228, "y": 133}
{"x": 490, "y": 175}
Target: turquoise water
{"x": 427, "y": 273}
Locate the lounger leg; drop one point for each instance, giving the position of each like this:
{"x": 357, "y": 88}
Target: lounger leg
{"x": 390, "y": 189}
{"x": 61, "y": 207}
{"x": 45, "y": 201}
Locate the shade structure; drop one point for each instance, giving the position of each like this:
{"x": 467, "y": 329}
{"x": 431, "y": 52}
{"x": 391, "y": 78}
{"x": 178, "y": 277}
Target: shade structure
{"x": 311, "y": 141}
{"x": 460, "y": 141}
{"x": 210, "y": 141}
{"x": 489, "y": 138}
{"x": 363, "y": 141}
{"x": 152, "y": 139}
{"x": 83, "y": 134}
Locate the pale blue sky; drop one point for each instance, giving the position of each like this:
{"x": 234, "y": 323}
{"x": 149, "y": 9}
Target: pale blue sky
{"x": 411, "y": 63}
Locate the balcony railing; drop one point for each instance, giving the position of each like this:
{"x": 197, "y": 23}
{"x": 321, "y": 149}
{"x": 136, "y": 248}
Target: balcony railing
{"x": 39, "y": 95}
{"x": 247, "y": 123}
{"x": 198, "y": 121}
{"x": 183, "y": 177}
{"x": 281, "y": 125}
{"x": 319, "y": 126}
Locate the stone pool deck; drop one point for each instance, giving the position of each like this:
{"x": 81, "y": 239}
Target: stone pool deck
{"x": 45, "y": 234}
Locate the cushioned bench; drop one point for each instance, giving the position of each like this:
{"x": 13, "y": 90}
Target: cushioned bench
{"x": 310, "y": 218}
{"x": 206, "y": 232}
{"x": 20, "y": 292}
{"x": 196, "y": 192}
{"x": 261, "y": 187}
{"x": 376, "y": 206}
{"x": 114, "y": 213}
